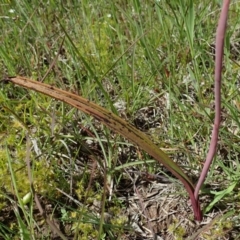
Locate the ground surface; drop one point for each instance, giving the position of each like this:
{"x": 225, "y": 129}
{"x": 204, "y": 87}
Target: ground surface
{"x": 151, "y": 63}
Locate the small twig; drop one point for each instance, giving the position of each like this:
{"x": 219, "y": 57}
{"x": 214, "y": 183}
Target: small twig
{"x": 153, "y": 177}
{"x": 54, "y": 61}
{"x": 70, "y": 197}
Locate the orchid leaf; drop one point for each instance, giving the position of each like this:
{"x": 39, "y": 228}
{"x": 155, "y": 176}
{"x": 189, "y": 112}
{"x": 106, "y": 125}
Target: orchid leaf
{"x": 118, "y": 125}
{"x": 107, "y": 118}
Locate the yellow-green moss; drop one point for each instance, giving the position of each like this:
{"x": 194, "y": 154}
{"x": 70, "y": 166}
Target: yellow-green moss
{"x": 87, "y": 231}
{"x": 119, "y": 222}
{"x": 44, "y": 175}
{"x": 218, "y": 229}
{"x": 177, "y": 230}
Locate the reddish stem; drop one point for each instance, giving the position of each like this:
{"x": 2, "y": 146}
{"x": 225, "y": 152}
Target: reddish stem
{"x": 218, "y": 71}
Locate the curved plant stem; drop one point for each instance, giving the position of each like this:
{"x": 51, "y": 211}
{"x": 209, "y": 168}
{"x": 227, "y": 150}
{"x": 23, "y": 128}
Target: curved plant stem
{"x": 218, "y": 71}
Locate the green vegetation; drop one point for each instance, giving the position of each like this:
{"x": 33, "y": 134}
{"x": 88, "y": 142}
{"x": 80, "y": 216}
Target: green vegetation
{"x": 151, "y": 62}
